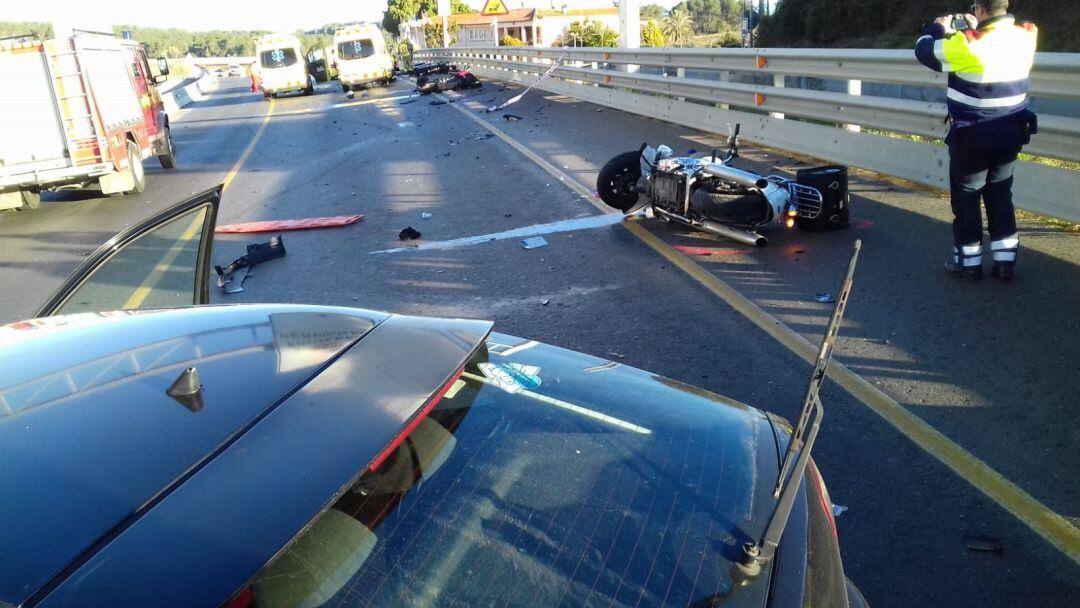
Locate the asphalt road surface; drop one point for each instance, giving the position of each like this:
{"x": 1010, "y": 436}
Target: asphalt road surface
{"x": 990, "y": 366}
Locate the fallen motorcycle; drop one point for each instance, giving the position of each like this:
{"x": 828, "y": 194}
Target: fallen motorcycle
{"x": 431, "y": 67}
{"x": 454, "y": 81}
{"x": 707, "y": 193}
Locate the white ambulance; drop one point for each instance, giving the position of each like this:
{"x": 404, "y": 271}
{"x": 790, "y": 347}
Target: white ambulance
{"x": 281, "y": 65}
{"x": 362, "y": 57}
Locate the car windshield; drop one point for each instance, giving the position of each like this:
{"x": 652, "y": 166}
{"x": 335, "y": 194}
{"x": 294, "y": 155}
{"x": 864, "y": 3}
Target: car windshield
{"x": 520, "y": 489}
{"x": 277, "y": 58}
{"x": 356, "y": 49}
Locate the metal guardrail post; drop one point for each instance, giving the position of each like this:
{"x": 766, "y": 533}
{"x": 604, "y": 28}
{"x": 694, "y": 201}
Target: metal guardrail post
{"x": 778, "y": 82}
{"x": 725, "y": 76}
{"x": 680, "y": 73}
{"x": 854, "y": 87}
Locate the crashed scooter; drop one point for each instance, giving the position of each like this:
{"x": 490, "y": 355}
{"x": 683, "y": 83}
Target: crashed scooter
{"x": 454, "y": 81}
{"x": 707, "y": 193}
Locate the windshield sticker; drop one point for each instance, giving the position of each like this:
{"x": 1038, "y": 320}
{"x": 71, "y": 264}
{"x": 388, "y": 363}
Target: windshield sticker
{"x": 512, "y": 377}
{"x": 277, "y": 55}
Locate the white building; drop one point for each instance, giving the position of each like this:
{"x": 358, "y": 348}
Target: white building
{"x": 534, "y": 27}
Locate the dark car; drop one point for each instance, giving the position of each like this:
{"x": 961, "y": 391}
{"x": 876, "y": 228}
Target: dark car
{"x": 289, "y": 455}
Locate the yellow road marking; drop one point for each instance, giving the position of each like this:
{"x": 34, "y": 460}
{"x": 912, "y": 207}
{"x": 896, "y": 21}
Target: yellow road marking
{"x": 144, "y": 290}
{"x": 1037, "y": 516}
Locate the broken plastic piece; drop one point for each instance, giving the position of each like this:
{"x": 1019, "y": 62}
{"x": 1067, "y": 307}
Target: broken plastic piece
{"x": 824, "y": 298}
{"x": 534, "y": 242}
{"x": 256, "y": 254}
{"x": 511, "y": 117}
{"x": 425, "y": 216}
{"x": 408, "y": 234}
{"x": 838, "y": 510}
{"x": 282, "y": 225}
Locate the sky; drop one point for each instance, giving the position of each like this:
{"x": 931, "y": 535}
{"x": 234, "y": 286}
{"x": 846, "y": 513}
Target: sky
{"x": 228, "y": 14}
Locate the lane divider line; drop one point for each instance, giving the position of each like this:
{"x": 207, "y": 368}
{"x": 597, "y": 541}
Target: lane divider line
{"x": 1054, "y": 528}
{"x": 231, "y": 175}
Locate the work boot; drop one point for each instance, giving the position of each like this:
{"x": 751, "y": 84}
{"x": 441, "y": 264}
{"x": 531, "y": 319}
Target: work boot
{"x": 1002, "y": 271}
{"x": 963, "y": 272}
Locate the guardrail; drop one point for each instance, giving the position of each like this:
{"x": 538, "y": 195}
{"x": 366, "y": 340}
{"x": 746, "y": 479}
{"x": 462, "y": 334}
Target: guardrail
{"x": 709, "y": 88}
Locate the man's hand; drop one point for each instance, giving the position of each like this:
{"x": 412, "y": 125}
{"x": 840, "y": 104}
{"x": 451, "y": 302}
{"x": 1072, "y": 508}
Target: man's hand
{"x": 972, "y": 21}
{"x": 946, "y": 23}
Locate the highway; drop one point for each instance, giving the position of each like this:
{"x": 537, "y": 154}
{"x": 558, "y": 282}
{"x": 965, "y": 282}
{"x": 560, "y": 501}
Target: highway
{"x": 955, "y": 411}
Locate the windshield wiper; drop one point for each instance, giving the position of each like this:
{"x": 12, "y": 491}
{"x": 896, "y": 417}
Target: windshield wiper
{"x": 793, "y": 467}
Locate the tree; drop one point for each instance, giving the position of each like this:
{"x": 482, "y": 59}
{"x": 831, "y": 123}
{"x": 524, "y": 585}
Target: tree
{"x": 433, "y": 33}
{"x": 589, "y": 33}
{"x": 652, "y": 12}
{"x": 652, "y": 34}
{"x": 678, "y": 28}
{"x": 400, "y": 11}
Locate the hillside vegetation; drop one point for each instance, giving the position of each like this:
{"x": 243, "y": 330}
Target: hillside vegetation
{"x": 893, "y": 24}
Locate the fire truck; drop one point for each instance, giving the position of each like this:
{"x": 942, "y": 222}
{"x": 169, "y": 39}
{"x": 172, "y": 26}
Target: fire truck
{"x": 78, "y": 111}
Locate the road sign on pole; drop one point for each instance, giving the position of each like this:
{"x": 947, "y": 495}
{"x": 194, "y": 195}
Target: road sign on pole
{"x": 493, "y": 8}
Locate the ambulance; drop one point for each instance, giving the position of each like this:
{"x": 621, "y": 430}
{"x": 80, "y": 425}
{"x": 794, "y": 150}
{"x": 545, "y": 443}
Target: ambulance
{"x": 362, "y": 56}
{"x": 281, "y": 65}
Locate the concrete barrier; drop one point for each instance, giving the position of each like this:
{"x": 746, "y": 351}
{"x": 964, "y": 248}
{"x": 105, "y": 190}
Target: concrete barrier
{"x": 182, "y": 95}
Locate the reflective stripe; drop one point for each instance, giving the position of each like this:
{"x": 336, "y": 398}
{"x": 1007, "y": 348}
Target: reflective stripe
{"x": 991, "y": 77}
{"x": 999, "y": 102}
{"x": 1004, "y": 256}
{"x": 968, "y": 255}
{"x": 971, "y": 249}
{"x": 1009, "y": 242}
{"x": 939, "y": 52}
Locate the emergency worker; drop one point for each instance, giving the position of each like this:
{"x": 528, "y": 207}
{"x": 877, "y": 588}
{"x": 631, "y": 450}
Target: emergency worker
{"x": 988, "y": 60}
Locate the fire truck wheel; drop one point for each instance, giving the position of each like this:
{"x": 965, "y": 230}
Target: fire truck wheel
{"x": 168, "y": 159}
{"x": 138, "y": 172}
{"x": 30, "y": 200}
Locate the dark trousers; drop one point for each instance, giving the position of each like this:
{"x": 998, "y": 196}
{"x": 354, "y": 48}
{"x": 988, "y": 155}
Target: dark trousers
{"x": 981, "y": 162}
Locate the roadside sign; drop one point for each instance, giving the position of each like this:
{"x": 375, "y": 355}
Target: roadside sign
{"x": 494, "y": 8}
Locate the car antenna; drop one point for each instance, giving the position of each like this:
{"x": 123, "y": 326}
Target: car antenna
{"x": 793, "y": 467}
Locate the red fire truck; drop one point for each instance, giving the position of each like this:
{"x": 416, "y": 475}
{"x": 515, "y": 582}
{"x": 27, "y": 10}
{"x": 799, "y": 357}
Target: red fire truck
{"x": 78, "y": 111}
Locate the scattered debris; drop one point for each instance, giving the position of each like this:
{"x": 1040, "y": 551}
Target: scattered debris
{"x": 410, "y": 100}
{"x": 545, "y": 302}
{"x": 257, "y": 253}
{"x": 481, "y": 136}
{"x": 406, "y": 124}
{"x": 425, "y": 216}
{"x": 408, "y": 234}
{"x": 441, "y": 102}
{"x": 598, "y": 110}
{"x": 709, "y": 250}
{"x": 824, "y": 298}
{"x": 511, "y": 117}
{"x": 838, "y": 510}
{"x": 508, "y": 215}
{"x": 616, "y": 355}
{"x": 282, "y": 225}
{"x": 981, "y": 542}
{"x": 534, "y": 242}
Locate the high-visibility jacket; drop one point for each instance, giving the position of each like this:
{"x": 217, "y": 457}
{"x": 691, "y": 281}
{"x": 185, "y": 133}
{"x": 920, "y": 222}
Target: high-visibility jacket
{"x": 988, "y": 69}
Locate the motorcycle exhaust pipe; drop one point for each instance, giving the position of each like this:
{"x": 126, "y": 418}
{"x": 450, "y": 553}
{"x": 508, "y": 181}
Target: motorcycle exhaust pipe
{"x": 748, "y": 237}
{"x": 731, "y": 174}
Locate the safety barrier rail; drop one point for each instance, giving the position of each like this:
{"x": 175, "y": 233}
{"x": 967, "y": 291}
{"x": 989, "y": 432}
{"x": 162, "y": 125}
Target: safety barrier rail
{"x": 766, "y": 91}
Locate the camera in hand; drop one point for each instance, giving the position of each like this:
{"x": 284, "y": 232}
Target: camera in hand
{"x": 959, "y": 22}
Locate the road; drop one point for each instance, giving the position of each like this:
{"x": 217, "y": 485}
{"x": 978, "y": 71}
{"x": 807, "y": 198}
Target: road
{"x": 988, "y": 366}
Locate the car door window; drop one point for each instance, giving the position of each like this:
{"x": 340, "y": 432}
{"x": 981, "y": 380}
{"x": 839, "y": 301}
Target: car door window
{"x": 161, "y": 263}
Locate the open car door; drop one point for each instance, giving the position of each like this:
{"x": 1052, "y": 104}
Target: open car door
{"x": 161, "y": 262}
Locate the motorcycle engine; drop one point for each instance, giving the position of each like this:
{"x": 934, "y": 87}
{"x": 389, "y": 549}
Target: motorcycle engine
{"x": 668, "y": 190}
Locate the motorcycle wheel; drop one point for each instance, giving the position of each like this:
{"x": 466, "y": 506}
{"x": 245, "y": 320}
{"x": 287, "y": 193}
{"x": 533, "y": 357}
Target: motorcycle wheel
{"x": 735, "y": 207}
{"x": 616, "y": 184}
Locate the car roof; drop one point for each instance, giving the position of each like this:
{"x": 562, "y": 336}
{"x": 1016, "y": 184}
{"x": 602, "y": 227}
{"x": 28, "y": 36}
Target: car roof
{"x": 88, "y": 436}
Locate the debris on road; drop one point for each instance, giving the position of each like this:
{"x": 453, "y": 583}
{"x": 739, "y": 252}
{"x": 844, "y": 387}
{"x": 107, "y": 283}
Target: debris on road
{"x": 824, "y": 298}
{"x": 687, "y": 250}
{"x": 425, "y": 216}
{"x": 616, "y": 355}
{"x": 511, "y": 117}
{"x": 406, "y": 124}
{"x": 482, "y": 135}
{"x": 517, "y": 98}
{"x": 983, "y": 543}
{"x": 410, "y": 100}
{"x": 408, "y": 234}
{"x": 545, "y": 302}
{"x": 534, "y": 242}
{"x": 310, "y": 223}
{"x": 838, "y": 510}
{"x": 257, "y": 253}
{"x": 441, "y": 102}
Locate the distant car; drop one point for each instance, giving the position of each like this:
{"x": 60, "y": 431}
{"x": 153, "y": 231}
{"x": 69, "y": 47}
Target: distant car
{"x": 220, "y": 72}
{"x": 290, "y": 455}
{"x": 235, "y": 70}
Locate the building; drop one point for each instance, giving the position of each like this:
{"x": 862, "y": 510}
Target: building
{"x": 533, "y": 26}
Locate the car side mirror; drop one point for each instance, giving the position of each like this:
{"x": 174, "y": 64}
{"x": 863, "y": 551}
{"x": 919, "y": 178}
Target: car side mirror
{"x": 163, "y": 66}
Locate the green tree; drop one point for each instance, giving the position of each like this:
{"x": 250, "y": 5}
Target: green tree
{"x": 19, "y": 28}
{"x": 652, "y": 12}
{"x": 590, "y": 33}
{"x": 678, "y": 28}
{"x": 400, "y": 11}
{"x": 652, "y": 34}
{"x": 433, "y": 33}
